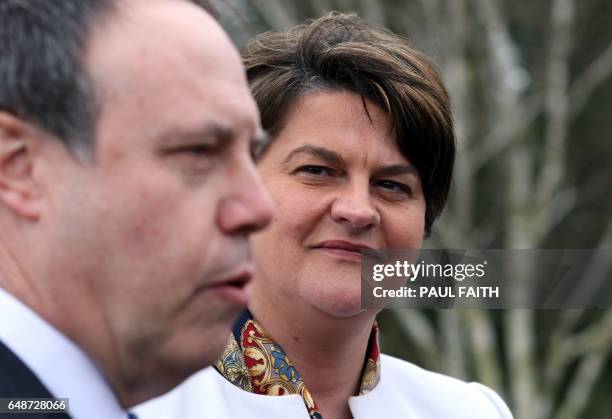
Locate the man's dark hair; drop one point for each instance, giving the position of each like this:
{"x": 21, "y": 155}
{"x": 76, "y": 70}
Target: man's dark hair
{"x": 42, "y": 75}
{"x": 42, "y": 78}
{"x": 341, "y": 52}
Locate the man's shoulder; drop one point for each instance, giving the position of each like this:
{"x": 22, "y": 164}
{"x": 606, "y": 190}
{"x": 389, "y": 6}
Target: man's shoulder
{"x": 434, "y": 391}
{"x": 18, "y": 381}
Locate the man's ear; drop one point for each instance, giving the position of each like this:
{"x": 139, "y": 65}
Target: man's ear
{"x": 19, "y": 190}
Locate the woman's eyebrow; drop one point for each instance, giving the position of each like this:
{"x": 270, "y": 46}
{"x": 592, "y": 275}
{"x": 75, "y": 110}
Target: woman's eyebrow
{"x": 397, "y": 169}
{"x": 329, "y": 156}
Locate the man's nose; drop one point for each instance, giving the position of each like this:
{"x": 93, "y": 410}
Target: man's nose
{"x": 249, "y": 207}
{"x": 354, "y": 207}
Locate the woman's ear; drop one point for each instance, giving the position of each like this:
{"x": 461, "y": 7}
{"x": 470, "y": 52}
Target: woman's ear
{"x": 19, "y": 190}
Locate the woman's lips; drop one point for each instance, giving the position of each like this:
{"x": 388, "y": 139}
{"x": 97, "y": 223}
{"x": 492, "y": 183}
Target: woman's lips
{"x": 342, "y": 249}
{"x": 350, "y": 255}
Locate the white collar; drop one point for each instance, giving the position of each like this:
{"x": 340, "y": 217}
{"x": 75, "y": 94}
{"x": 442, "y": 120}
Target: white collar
{"x": 58, "y": 362}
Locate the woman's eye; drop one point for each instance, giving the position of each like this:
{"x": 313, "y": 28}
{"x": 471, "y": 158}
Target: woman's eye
{"x": 392, "y": 186}
{"x": 315, "y": 170}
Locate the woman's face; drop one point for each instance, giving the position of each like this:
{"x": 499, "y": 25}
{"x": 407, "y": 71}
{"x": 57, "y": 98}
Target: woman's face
{"x": 340, "y": 184}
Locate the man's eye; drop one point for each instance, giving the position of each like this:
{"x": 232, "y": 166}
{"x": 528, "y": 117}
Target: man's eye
{"x": 257, "y": 147}
{"x": 393, "y": 186}
{"x": 199, "y": 149}
{"x": 315, "y": 170}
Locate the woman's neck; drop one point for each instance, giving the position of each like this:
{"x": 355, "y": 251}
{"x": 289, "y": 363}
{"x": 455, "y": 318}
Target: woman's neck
{"x": 328, "y": 352}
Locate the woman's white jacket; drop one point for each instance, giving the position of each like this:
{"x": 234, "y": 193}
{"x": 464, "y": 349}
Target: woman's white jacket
{"x": 404, "y": 391}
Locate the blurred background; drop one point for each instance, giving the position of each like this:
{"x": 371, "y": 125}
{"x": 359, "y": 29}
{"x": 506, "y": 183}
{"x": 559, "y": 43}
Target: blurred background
{"x": 531, "y": 86}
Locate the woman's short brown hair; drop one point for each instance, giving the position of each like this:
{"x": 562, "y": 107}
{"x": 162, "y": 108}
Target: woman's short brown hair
{"x": 340, "y": 52}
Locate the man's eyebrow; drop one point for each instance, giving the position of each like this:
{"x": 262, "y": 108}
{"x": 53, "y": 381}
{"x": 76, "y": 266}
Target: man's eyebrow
{"x": 217, "y": 131}
{"x": 397, "y": 169}
{"x": 329, "y": 156}
{"x": 208, "y": 131}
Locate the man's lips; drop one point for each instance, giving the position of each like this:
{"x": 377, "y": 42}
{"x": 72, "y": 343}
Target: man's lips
{"x": 233, "y": 287}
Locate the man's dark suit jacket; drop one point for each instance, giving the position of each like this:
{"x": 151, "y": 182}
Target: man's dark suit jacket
{"x": 17, "y": 380}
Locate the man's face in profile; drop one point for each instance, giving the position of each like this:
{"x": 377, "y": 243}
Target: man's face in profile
{"x": 156, "y": 226}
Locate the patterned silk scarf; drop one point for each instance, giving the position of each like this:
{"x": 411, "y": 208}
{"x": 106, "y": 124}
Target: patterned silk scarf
{"x": 253, "y": 361}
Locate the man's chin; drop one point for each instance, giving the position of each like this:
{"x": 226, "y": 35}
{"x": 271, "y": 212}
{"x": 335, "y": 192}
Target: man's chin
{"x": 190, "y": 353}
{"x": 180, "y": 366}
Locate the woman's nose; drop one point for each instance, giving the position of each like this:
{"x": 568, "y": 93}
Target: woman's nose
{"x": 355, "y": 208}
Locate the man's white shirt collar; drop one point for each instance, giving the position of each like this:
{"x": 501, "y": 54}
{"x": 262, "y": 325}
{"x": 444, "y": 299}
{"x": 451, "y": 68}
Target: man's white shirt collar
{"x": 63, "y": 368}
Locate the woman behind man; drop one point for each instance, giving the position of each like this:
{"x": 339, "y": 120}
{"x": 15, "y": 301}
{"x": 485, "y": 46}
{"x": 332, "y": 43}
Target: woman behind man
{"x": 361, "y": 157}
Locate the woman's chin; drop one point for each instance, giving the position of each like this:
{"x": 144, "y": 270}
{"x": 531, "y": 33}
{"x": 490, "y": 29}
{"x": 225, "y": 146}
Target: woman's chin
{"x": 341, "y": 306}
{"x": 341, "y": 298}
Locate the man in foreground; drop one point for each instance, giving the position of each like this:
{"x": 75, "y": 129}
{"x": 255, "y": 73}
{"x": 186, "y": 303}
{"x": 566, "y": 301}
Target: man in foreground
{"x": 127, "y": 194}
